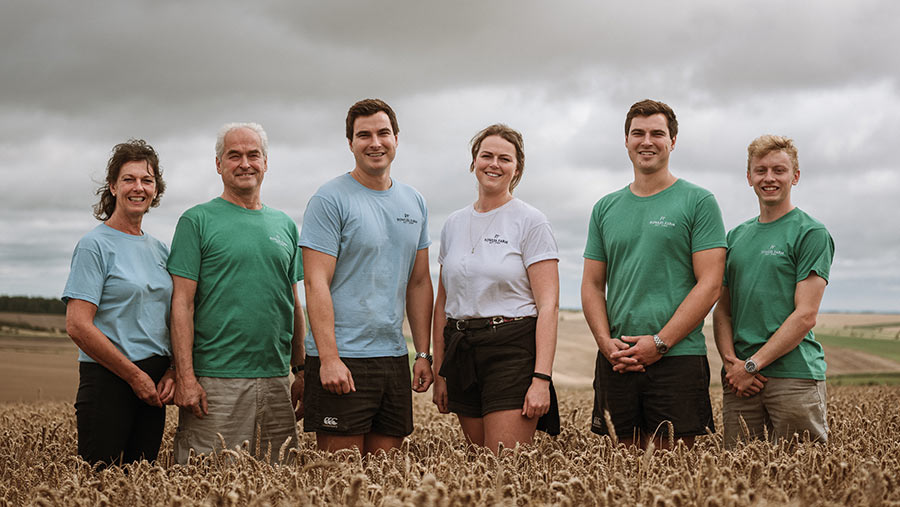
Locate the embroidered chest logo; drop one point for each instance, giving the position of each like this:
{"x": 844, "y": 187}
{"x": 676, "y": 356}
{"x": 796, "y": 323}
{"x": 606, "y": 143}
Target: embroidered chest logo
{"x": 278, "y": 240}
{"x": 772, "y": 251}
{"x": 496, "y": 240}
{"x": 405, "y": 219}
{"x": 661, "y": 222}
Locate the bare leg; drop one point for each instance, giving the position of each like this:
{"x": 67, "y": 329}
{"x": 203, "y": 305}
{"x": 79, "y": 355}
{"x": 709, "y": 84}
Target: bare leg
{"x": 379, "y": 441}
{"x": 473, "y": 428}
{"x": 508, "y": 427}
{"x": 328, "y": 442}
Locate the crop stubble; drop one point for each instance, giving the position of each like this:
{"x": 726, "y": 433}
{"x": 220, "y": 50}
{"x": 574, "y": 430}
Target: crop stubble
{"x": 859, "y": 466}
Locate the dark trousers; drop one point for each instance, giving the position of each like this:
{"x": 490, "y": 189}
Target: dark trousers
{"x": 114, "y": 425}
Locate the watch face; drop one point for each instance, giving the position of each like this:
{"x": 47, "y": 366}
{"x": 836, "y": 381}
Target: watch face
{"x": 661, "y": 346}
{"x": 750, "y": 366}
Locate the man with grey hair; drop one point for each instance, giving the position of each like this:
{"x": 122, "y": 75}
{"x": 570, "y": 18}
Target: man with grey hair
{"x": 237, "y": 325}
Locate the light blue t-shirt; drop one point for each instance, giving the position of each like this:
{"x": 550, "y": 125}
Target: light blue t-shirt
{"x": 375, "y": 236}
{"x": 126, "y": 277}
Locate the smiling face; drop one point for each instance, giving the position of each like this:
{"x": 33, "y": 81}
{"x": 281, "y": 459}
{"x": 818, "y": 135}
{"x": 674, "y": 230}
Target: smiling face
{"x": 374, "y": 144}
{"x": 649, "y": 144}
{"x": 243, "y": 163}
{"x": 134, "y": 189}
{"x": 772, "y": 176}
{"x": 495, "y": 165}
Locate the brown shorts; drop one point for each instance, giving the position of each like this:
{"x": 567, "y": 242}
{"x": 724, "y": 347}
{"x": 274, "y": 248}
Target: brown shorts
{"x": 502, "y": 358}
{"x": 382, "y": 402}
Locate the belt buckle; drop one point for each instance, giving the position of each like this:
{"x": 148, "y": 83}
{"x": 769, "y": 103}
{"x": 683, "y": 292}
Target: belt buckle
{"x": 496, "y": 320}
{"x": 460, "y": 325}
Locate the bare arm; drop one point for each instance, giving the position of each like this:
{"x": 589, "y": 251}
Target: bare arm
{"x": 439, "y": 395}
{"x": 318, "y": 270}
{"x": 298, "y": 354}
{"x": 709, "y": 266}
{"x": 544, "y": 279}
{"x": 188, "y": 392}
{"x": 593, "y": 303}
{"x": 419, "y": 297}
{"x": 80, "y": 326}
{"x": 723, "y": 331}
{"x": 807, "y": 297}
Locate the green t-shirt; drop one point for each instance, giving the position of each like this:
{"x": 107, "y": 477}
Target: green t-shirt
{"x": 647, "y": 244}
{"x": 245, "y": 263}
{"x": 764, "y": 264}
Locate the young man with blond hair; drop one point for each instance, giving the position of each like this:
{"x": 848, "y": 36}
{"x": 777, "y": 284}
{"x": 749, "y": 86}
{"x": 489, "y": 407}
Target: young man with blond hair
{"x": 775, "y": 275}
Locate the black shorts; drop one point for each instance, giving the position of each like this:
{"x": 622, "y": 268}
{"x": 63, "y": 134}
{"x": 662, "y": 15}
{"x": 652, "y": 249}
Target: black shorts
{"x": 382, "y": 402}
{"x": 114, "y": 425}
{"x": 503, "y": 358}
{"x": 674, "y": 389}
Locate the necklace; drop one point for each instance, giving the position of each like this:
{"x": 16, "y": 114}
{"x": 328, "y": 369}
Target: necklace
{"x": 478, "y": 239}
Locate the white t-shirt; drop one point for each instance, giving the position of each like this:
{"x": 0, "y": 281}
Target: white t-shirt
{"x": 485, "y": 256}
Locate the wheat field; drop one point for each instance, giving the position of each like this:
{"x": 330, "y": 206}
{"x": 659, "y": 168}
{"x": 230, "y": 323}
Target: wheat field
{"x": 859, "y": 466}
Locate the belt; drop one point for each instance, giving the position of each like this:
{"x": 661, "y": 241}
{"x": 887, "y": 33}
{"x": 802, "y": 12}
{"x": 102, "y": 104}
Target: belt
{"x": 458, "y": 350}
{"x": 481, "y": 323}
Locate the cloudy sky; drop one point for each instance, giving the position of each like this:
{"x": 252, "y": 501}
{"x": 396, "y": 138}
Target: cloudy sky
{"x": 78, "y": 77}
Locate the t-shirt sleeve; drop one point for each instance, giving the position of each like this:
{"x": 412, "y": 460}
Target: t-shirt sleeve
{"x": 815, "y": 254}
{"x": 539, "y": 245}
{"x": 321, "y": 226}
{"x": 594, "y": 248}
{"x": 86, "y": 276}
{"x": 442, "y": 252}
{"x": 728, "y": 240}
{"x": 184, "y": 257}
{"x": 424, "y": 240}
{"x": 709, "y": 229}
{"x": 297, "y": 262}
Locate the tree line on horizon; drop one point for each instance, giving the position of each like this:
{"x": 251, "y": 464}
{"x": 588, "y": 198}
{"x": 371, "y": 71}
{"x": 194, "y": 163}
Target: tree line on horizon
{"x": 28, "y": 304}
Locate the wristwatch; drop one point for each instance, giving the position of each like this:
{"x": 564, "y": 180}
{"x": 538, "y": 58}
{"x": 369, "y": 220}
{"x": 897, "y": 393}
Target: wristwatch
{"x": 750, "y": 365}
{"x": 661, "y": 346}
{"x": 425, "y": 355}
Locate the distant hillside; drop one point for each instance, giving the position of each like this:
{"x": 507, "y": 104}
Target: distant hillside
{"x": 26, "y": 304}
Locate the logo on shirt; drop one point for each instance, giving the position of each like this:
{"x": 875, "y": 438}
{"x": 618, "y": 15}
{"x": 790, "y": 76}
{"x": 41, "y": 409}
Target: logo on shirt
{"x": 496, "y": 240}
{"x": 331, "y": 422}
{"x": 278, "y": 240}
{"x": 772, "y": 251}
{"x": 662, "y": 222}
{"x": 405, "y": 219}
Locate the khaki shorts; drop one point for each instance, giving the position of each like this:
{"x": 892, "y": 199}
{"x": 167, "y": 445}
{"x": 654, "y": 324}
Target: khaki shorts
{"x": 239, "y": 408}
{"x": 785, "y": 406}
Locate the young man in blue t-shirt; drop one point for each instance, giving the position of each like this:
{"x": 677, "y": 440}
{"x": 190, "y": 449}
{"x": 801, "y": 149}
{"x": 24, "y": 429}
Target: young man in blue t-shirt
{"x": 365, "y": 253}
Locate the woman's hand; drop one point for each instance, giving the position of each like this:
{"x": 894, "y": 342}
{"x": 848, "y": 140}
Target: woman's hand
{"x": 166, "y": 387}
{"x": 144, "y": 388}
{"x": 537, "y": 399}
{"x": 439, "y": 394}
